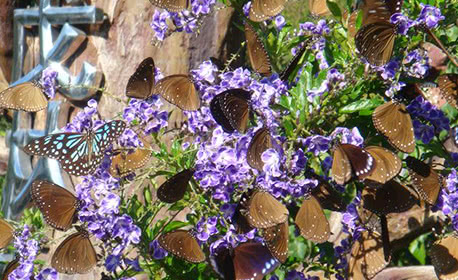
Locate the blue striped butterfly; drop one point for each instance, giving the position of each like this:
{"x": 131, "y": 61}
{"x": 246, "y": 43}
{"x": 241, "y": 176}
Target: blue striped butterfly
{"x": 78, "y": 153}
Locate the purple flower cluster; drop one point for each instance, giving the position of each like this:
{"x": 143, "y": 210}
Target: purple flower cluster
{"x": 430, "y": 16}
{"x": 47, "y": 274}
{"x": 158, "y": 252}
{"x": 348, "y": 136}
{"x": 449, "y": 198}
{"x": 231, "y": 239}
{"x": 206, "y": 228}
{"x": 319, "y": 29}
{"x": 402, "y": 22}
{"x": 417, "y": 64}
{"x": 48, "y": 82}
{"x": 334, "y": 80}
{"x": 280, "y": 22}
{"x": 350, "y": 218}
{"x": 389, "y": 70}
{"x": 395, "y": 86}
{"x": 83, "y": 120}
{"x": 317, "y": 144}
{"x": 147, "y": 113}
{"x": 27, "y": 249}
{"x": 159, "y": 24}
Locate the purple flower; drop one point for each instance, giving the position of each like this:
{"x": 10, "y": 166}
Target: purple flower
{"x": 48, "y": 82}
{"x": 47, "y": 274}
{"x": 205, "y": 72}
{"x": 159, "y": 24}
{"x": 271, "y": 160}
{"x": 279, "y": 22}
{"x": 389, "y": 70}
{"x": 206, "y": 228}
{"x": 317, "y": 144}
{"x": 83, "y": 120}
{"x": 430, "y": 16}
{"x": 423, "y": 132}
{"x": 348, "y": 136}
{"x": 27, "y": 248}
{"x": 294, "y": 275}
{"x": 394, "y": 87}
{"x": 246, "y": 8}
{"x": 147, "y": 113}
{"x": 298, "y": 161}
{"x": 417, "y": 64}
{"x": 112, "y": 262}
{"x": 158, "y": 252}
{"x": 109, "y": 204}
{"x": 135, "y": 264}
{"x": 402, "y": 22}
{"x": 424, "y": 110}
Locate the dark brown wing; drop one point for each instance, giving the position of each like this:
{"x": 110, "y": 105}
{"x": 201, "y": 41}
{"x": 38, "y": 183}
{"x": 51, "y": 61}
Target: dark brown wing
{"x": 448, "y": 85}
{"x": 425, "y": 180}
{"x": 75, "y": 255}
{"x": 257, "y": 53}
{"x": 388, "y": 164}
{"x": 312, "y": 222}
{"x": 171, "y": 5}
{"x": 58, "y": 206}
{"x": 235, "y": 107}
{"x": 375, "y": 42}
{"x": 141, "y": 83}
{"x": 6, "y": 233}
{"x": 27, "y": 97}
{"x": 328, "y": 197}
{"x": 180, "y": 91}
{"x": 183, "y": 245}
{"x": 362, "y": 163}
{"x": 265, "y": 211}
{"x": 444, "y": 257}
{"x": 10, "y": 267}
{"x": 262, "y": 10}
{"x": 260, "y": 142}
{"x": 391, "y": 197}
{"x": 175, "y": 187}
{"x": 276, "y": 239}
{"x": 367, "y": 257}
{"x": 394, "y": 122}
{"x": 375, "y": 11}
{"x": 252, "y": 261}
{"x": 125, "y": 163}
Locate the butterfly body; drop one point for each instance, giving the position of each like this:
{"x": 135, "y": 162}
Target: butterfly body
{"x": 79, "y": 154}
{"x": 27, "y": 97}
{"x": 125, "y": 163}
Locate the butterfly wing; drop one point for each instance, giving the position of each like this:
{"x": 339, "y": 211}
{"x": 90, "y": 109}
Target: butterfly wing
{"x": 10, "y": 267}
{"x": 253, "y": 261}
{"x": 312, "y": 222}
{"x": 394, "y": 122}
{"x": 262, "y": 10}
{"x": 348, "y": 157}
{"x": 27, "y": 97}
{"x": 341, "y": 167}
{"x": 265, "y": 211}
{"x": 125, "y": 163}
{"x": 257, "y": 53}
{"x": 75, "y": 255}
{"x": 180, "y": 91}
{"x": 284, "y": 75}
{"x": 391, "y": 197}
{"x": 171, "y": 5}
{"x": 58, "y": 206}
{"x": 425, "y": 180}
{"x": 448, "y": 85}
{"x": 375, "y": 42}
{"x": 328, "y": 197}
{"x": 367, "y": 257}
{"x": 444, "y": 257}
{"x": 140, "y": 84}
{"x": 388, "y": 164}
{"x": 183, "y": 245}
{"x": 175, "y": 187}
{"x": 6, "y": 233}
{"x": 260, "y": 142}
{"x": 319, "y": 8}
{"x": 235, "y": 107}
{"x": 276, "y": 239}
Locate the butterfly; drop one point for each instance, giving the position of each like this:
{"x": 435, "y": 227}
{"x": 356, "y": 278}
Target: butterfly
{"x": 246, "y": 261}
{"x": 291, "y": 66}
{"x": 6, "y": 233}
{"x": 75, "y": 255}
{"x": 319, "y": 8}
{"x": 261, "y": 10}
{"x": 351, "y": 23}
{"x": 240, "y": 221}
{"x": 231, "y": 110}
{"x": 264, "y": 211}
{"x": 125, "y": 162}
{"x": 349, "y": 158}
{"x": 172, "y": 5}
{"x": 257, "y": 53}
{"x": 391, "y": 197}
{"x": 141, "y": 83}
{"x": 27, "y": 97}
{"x": 312, "y": 222}
{"x": 328, "y": 197}
{"x": 425, "y": 180}
{"x": 79, "y": 154}
{"x": 175, "y": 187}
{"x": 10, "y": 267}
{"x": 182, "y": 244}
{"x": 375, "y": 39}
{"x": 58, "y": 206}
{"x": 448, "y": 85}
{"x": 444, "y": 257}
{"x": 260, "y": 142}
{"x": 180, "y": 91}
{"x": 394, "y": 122}
{"x": 387, "y": 163}
{"x": 367, "y": 257}
{"x": 276, "y": 239}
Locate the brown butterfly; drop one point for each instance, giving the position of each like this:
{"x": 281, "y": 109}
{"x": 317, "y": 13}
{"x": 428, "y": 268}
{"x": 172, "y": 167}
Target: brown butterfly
{"x": 75, "y": 255}
{"x": 319, "y": 8}
{"x": 6, "y": 233}
{"x": 312, "y": 222}
{"x": 448, "y": 84}
{"x": 172, "y": 5}
{"x": 257, "y": 53}
{"x": 425, "y": 180}
{"x": 10, "y": 267}
{"x": 367, "y": 256}
{"x": 391, "y": 197}
{"x": 261, "y": 10}
{"x": 328, "y": 197}
{"x": 231, "y": 110}
{"x": 387, "y": 163}
{"x": 444, "y": 257}
{"x": 27, "y": 97}
{"x": 260, "y": 142}
{"x": 141, "y": 83}
{"x": 180, "y": 91}
{"x": 182, "y": 244}
{"x": 175, "y": 187}
{"x": 264, "y": 211}
{"x": 394, "y": 122}
{"x": 58, "y": 206}
{"x": 351, "y": 24}
{"x": 276, "y": 239}
{"x": 349, "y": 159}
{"x": 125, "y": 162}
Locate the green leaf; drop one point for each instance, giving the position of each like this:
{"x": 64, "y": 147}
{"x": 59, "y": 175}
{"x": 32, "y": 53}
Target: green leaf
{"x": 359, "y": 105}
{"x": 334, "y": 8}
{"x": 174, "y": 225}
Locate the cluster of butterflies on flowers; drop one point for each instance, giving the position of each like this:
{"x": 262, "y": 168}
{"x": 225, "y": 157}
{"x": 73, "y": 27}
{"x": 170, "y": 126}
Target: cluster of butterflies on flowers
{"x": 80, "y": 154}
